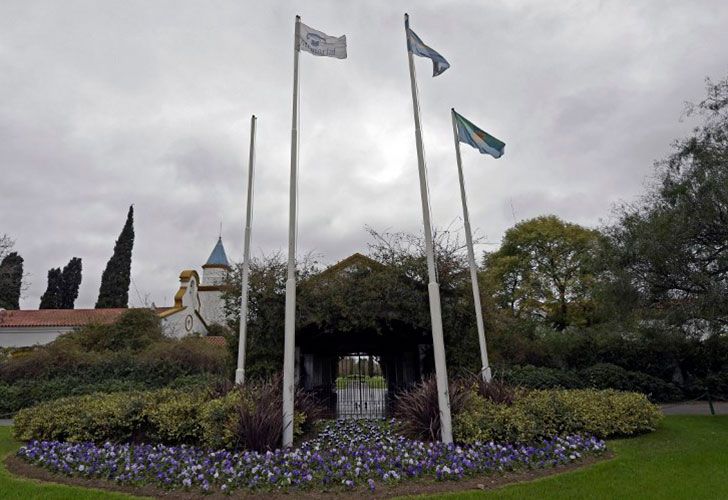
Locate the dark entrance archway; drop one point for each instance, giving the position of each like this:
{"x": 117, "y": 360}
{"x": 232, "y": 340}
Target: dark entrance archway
{"x": 361, "y": 319}
{"x": 358, "y": 374}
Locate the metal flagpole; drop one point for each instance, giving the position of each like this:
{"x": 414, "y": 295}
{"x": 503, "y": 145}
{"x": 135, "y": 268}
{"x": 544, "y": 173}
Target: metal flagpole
{"x": 485, "y": 371}
{"x": 290, "y": 321}
{"x": 240, "y": 371}
{"x": 433, "y": 288}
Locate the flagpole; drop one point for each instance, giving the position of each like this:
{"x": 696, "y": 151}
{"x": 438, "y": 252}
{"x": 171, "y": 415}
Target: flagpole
{"x": 289, "y": 344}
{"x": 485, "y": 370}
{"x": 433, "y": 288}
{"x": 240, "y": 371}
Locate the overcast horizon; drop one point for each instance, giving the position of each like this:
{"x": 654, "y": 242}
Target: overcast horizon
{"x": 114, "y": 103}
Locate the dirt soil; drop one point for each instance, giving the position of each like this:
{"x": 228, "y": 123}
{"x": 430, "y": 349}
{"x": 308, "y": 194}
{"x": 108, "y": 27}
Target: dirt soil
{"x": 22, "y": 468}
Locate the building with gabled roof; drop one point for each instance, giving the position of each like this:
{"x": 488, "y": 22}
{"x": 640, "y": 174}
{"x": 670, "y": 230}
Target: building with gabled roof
{"x": 198, "y": 303}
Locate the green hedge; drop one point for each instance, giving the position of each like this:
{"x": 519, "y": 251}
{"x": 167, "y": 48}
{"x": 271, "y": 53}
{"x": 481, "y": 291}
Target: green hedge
{"x": 170, "y": 416}
{"x": 27, "y": 393}
{"x": 599, "y": 376}
{"x": 536, "y": 414}
{"x": 166, "y": 415}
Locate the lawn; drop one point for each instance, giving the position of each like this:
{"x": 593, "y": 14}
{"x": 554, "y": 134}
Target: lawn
{"x": 686, "y": 458}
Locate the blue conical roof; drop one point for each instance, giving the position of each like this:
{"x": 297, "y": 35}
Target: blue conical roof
{"x": 218, "y": 256}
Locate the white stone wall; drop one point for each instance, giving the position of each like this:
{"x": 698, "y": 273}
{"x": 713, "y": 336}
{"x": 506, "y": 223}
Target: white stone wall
{"x": 182, "y": 323}
{"x": 212, "y": 306}
{"x": 213, "y": 276}
{"x": 30, "y": 336}
{"x": 185, "y": 321}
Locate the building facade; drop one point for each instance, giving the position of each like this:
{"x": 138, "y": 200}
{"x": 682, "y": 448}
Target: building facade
{"x": 197, "y": 304}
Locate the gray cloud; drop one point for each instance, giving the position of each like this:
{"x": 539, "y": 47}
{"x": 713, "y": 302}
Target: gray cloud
{"x": 107, "y": 104}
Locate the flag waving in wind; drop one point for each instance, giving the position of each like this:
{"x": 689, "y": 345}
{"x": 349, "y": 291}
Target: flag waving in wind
{"x": 321, "y": 44}
{"x": 418, "y": 48}
{"x": 479, "y": 139}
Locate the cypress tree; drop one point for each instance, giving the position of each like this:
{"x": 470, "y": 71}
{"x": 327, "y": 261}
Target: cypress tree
{"x": 70, "y": 283}
{"x": 114, "y": 290}
{"x": 51, "y": 299}
{"x": 11, "y": 279}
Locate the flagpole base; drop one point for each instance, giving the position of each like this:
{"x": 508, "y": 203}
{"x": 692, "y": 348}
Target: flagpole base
{"x": 239, "y": 376}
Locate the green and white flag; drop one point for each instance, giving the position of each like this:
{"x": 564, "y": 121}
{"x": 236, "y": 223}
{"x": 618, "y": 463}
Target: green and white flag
{"x": 479, "y": 139}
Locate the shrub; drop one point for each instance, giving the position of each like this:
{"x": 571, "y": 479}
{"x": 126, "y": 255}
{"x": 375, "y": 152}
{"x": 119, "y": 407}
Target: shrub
{"x": 418, "y": 410}
{"x": 376, "y": 382}
{"x": 542, "y": 413}
{"x": 174, "y": 416}
{"x": 257, "y": 417}
{"x": 495, "y": 391}
{"x": 133, "y": 348}
{"x": 218, "y": 421}
{"x": 96, "y": 417}
{"x": 534, "y": 377}
{"x": 246, "y": 417}
{"x": 599, "y": 376}
{"x": 26, "y": 393}
{"x": 609, "y": 376}
{"x": 134, "y": 330}
{"x": 716, "y": 384}
{"x": 170, "y": 359}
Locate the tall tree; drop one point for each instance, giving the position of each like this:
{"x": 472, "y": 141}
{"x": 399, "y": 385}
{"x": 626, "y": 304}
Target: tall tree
{"x": 545, "y": 269}
{"x": 673, "y": 244}
{"x": 51, "y": 299}
{"x": 6, "y": 245}
{"x": 11, "y": 280}
{"x": 70, "y": 283}
{"x": 114, "y": 290}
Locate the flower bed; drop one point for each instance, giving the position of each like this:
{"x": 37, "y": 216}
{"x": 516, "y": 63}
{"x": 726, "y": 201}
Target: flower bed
{"x": 346, "y": 454}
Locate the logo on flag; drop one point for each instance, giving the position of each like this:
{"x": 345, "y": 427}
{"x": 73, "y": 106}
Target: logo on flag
{"x": 321, "y": 44}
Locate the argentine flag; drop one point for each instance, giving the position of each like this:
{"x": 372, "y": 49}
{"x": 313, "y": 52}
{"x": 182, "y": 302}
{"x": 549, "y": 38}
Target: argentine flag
{"x": 418, "y": 48}
{"x": 479, "y": 139}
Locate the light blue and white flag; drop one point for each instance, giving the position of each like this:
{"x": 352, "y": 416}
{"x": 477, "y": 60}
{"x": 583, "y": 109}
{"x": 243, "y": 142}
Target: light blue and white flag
{"x": 479, "y": 139}
{"x": 319, "y": 43}
{"x": 418, "y": 48}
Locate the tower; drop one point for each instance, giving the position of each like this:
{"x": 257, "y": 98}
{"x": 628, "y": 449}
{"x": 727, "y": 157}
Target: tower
{"x": 214, "y": 272}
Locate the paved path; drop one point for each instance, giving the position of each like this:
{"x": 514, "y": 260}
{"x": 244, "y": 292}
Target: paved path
{"x": 695, "y": 408}
{"x": 6, "y": 422}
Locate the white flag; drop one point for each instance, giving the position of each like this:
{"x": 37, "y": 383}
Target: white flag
{"x": 321, "y": 44}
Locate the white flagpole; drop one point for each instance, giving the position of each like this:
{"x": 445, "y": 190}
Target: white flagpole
{"x": 290, "y": 319}
{"x": 433, "y": 288}
{"x": 240, "y": 371}
{"x": 485, "y": 370}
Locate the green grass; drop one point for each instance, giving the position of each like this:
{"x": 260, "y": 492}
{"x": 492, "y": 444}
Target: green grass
{"x": 12, "y": 487}
{"x": 687, "y": 457}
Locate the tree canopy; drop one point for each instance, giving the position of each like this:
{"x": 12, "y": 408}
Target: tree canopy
{"x": 545, "y": 269}
{"x": 115, "y": 280}
{"x": 51, "y": 299}
{"x": 673, "y": 244}
{"x": 62, "y": 288}
{"x": 11, "y": 274}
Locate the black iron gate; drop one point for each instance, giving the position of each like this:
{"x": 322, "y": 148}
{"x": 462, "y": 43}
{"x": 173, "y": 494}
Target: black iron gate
{"x": 360, "y": 387}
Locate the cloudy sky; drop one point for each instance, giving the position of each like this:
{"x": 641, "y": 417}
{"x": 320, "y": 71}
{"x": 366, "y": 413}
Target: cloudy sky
{"x": 105, "y": 104}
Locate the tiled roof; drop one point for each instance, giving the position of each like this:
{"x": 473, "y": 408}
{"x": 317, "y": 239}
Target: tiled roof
{"x": 216, "y": 340}
{"x": 62, "y": 317}
{"x": 59, "y": 317}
